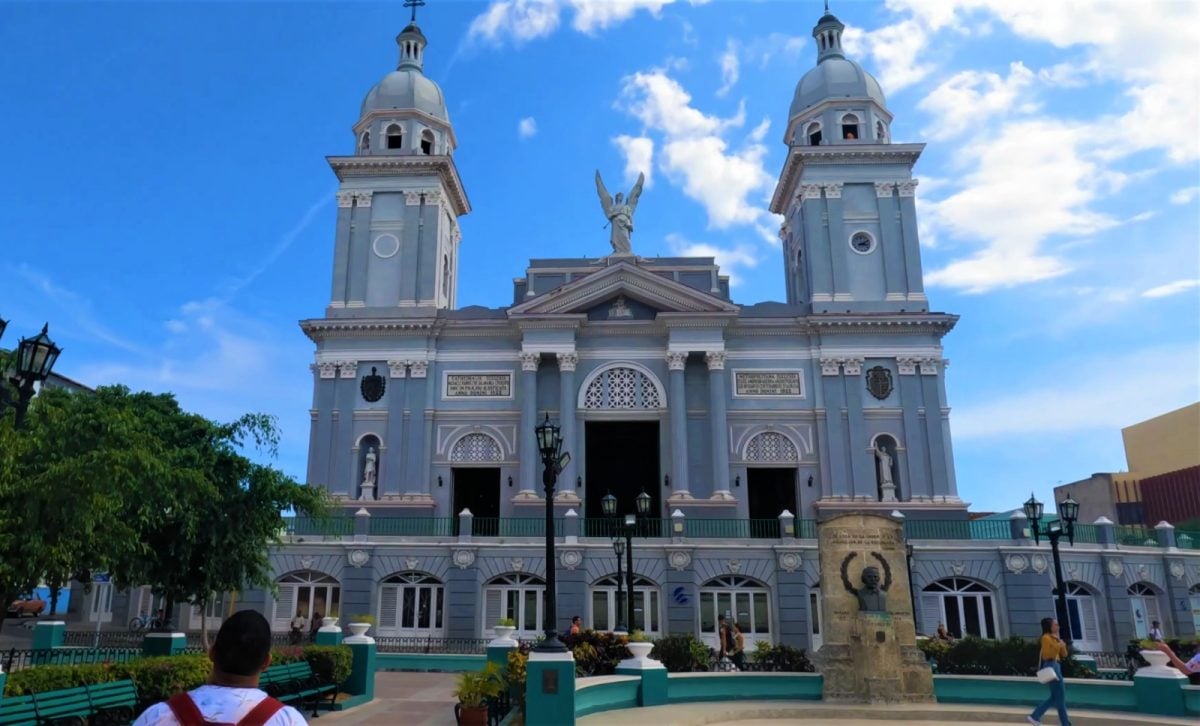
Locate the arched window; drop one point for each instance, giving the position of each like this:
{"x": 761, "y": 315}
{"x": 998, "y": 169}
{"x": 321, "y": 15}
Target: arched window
{"x": 312, "y": 595}
{"x": 745, "y": 600}
{"x": 880, "y": 132}
{"x": 476, "y": 448}
{"x": 814, "y": 134}
{"x": 1081, "y": 611}
{"x": 963, "y": 605}
{"x": 411, "y": 604}
{"x": 364, "y": 143}
{"x": 622, "y": 387}
{"x": 850, "y": 127}
{"x": 426, "y": 142}
{"x": 607, "y": 610}
{"x": 771, "y": 447}
{"x": 395, "y": 137}
{"x": 517, "y": 597}
{"x": 1143, "y": 606}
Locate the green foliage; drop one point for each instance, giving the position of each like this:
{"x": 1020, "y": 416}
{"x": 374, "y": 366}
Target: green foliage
{"x": 156, "y": 678}
{"x": 783, "y": 658}
{"x": 515, "y": 673}
{"x": 330, "y": 663}
{"x": 284, "y": 654}
{"x": 638, "y": 636}
{"x": 364, "y": 618}
{"x": 474, "y": 688}
{"x": 596, "y": 652}
{"x": 506, "y": 623}
{"x": 1015, "y": 656}
{"x": 681, "y": 653}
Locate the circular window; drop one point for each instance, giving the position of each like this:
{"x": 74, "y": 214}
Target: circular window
{"x": 862, "y": 243}
{"x": 386, "y": 245}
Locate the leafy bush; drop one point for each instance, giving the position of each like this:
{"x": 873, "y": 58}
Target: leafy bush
{"x": 1015, "y": 656}
{"x": 157, "y": 679}
{"x": 330, "y": 663}
{"x": 596, "y": 652}
{"x": 287, "y": 654}
{"x": 682, "y": 653}
{"x": 514, "y": 673}
{"x": 506, "y": 622}
{"x": 475, "y": 688}
{"x": 364, "y": 618}
{"x": 782, "y": 658}
{"x": 40, "y": 679}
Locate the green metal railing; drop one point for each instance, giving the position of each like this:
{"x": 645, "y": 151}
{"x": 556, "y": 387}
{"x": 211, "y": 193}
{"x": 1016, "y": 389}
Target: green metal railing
{"x": 612, "y": 527}
{"x": 513, "y": 527}
{"x": 1086, "y": 534}
{"x": 319, "y": 526}
{"x": 414, "y": 526}
{"x": 1136, "y": 535}
{"x": 1187, "y": 540}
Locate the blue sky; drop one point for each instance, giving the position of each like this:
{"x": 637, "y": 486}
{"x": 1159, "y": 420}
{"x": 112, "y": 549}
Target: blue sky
{"x": 167, "y": 206}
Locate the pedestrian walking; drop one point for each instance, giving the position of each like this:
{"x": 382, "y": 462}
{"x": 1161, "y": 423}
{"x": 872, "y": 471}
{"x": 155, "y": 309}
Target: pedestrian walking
{"x": 739, "y": 647}
{"x": 1051, "y": 651}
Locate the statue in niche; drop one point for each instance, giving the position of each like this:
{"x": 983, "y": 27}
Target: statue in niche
{"x": 620, "y": 309}
{"x": 368, "y": 480}
{"x": 620, "y": 214}
{"x": 872, "y": 597}
{"x": 887, "y": 485}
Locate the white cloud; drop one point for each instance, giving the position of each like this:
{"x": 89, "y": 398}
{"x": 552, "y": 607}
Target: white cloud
{"x": 519, "y": 21}
{"x": 594, "y": 15}
{"x": 696, "y": 156}
{"x": 1172, "y": 288}
{"x": 1183, "y": 196}
{"x": 896, "y": 51}
{"x": 639, "y": 156}
{"x": 1101, "y": 394}
{"x": 730, "y": 67}
{"x": 527, "y": 127}
{"x": 731, "y": 260}
{"x": 959, "y": 104}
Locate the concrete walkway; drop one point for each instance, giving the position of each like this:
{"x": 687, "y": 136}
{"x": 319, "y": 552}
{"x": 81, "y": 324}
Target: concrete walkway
{"x": 412, "y": 699}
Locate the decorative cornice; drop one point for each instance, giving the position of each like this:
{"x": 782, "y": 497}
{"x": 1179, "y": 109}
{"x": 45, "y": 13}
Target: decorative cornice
{"x": 929, "y": 366}
{"x": 568, "y": 361}
{"x": 432, "y": 197}
{"x": 841, "y": 154}
{"x": 829, "y": 366}
{"x": 810, "y": 191}
{"x": 392, "y": 166}
{"x": 530, "y": 361}
{"x": 833, "y": 190}
{"x": 623, "y": 277}
{"x": 852, "y": 366}
{"x": 328, "y": 370}
{"x": 676, "y": 361}
{"x": 397, "y": 368}
{"x": 363, "y": 198}
{"x": 907, "y": 366}
{"x": 348, "y": 369}
{"x": 418, "y": 368}
{"x": 884, "y": 188}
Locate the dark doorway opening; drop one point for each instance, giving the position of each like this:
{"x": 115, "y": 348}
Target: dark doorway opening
{"x": 622, "y": 458}
{"x": 771, "y": 492}
{"x": 478, "y": 489}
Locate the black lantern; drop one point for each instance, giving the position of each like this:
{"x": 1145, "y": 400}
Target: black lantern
{"x": 1068, "y": 509}
{"x": 549, "y": 439}
{"x": 619, "y": 548}
{"x": 1033, "y": 509}
{"x": 608, "y": 504}
{"x": 643, "y": 503}
{"x": 36, "y": 357}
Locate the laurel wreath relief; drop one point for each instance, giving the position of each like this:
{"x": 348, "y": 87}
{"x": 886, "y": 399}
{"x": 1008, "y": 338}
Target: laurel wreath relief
{"x": 883, "y": 563}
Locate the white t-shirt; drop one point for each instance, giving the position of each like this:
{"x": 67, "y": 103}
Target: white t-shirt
{"x": 1194, "y": 664}
{"x": 221, "y": 705}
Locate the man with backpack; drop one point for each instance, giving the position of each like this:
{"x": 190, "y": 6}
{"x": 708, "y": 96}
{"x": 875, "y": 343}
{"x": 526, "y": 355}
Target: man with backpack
{"x": 231, "y": 697}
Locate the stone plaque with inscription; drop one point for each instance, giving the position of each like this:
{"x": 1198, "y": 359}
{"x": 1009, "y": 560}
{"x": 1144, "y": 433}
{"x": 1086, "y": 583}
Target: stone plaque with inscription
{"x": 869, "y": 653}
{"x": 478, "y": 385}
{"x": 767, "y": 383}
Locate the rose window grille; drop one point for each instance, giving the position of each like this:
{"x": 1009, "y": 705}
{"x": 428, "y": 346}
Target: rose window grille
{"x": 476, "y": 448}
{"x": 622, "y": 388}
{"x": 773, "y": 447}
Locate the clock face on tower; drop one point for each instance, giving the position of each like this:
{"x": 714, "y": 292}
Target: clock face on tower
{"x": 862, "y": 243}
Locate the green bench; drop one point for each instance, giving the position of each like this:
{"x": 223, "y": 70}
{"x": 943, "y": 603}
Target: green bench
{"x": 104, "y": 703}
{"x": 294, "y": 683}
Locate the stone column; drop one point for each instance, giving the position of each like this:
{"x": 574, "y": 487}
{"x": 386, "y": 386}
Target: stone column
{"x": 422, "y": 446}
{"x": 396, "y": 466}
{"x": 890, "y": 241}
{"x": 938, "y": 469}
{"x": 840, "y": 485}
{"x": 360, "y": 245}
{"x": 1166, "y": 535}
{"x": 814, "y": 248}
{"x": 919, "y": 487}
{"x": 838, "y": 244}
{"x": 720, "y": 427}
{"x": 862, "y": 469}
{"x": 566, "y": 415}
{"x": 362, "y": 669}
{"x": 908, "y": 226}
{"x": 345, "y": 463}
{"x": 529, "y": 452}
{"x": 341, "y": 249}
{"x": 677, "y": 409}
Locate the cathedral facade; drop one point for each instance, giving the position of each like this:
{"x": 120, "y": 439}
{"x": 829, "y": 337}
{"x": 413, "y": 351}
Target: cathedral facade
{"x": 741, "y": 423}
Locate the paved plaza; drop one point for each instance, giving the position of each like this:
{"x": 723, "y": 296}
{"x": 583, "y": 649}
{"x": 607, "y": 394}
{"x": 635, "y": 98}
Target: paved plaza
{"x": 412, "y": 699}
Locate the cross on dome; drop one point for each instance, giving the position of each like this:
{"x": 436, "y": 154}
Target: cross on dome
{"x": 414, "y": 4}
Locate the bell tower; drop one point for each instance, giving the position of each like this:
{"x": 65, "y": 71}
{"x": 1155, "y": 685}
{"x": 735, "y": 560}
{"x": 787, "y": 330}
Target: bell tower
{"x": 400, "y": 196}
{"x": 849, "y": 236}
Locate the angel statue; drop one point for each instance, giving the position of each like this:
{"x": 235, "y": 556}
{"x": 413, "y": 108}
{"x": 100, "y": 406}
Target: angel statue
{"x": 620, "y": 213}
{"x": 872, "y": 597}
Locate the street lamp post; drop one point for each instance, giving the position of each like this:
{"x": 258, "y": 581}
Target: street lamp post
{"x": 549, "y": 441}
{"x": 626, "y": 529}
{"x": 35, "y": 357}
{"x": 619, "y": 549}
{"x": 1068, "y": 512}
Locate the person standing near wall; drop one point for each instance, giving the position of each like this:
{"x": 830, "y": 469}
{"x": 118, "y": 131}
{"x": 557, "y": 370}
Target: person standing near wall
{"x": 1051, "y": 652}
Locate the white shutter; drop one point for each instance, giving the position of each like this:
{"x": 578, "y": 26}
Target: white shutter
{"x": 1152, "y": 613}
{"x": 931, "y": 612}
{"x": 285, "y": 607}
{"x": 491, "y": 610}
{"x": 1091, "y": 625}
{"x": 387, "y": 607}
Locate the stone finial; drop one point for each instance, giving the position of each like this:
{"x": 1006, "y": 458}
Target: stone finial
{"x": 1164, "y": 525}
{"x": 1103, "y": 521}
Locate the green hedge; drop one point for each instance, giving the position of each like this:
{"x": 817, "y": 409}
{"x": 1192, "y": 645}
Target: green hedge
{"x": 971, "y": 656}
{"x": 159, "y": 678}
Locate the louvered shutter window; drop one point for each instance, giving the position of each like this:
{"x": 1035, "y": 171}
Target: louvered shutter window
{"x": 491, "y": 609}
{"x": 387, "y": 607}
{"x": 285, "y": 607}
{"x": 931, "y": 612}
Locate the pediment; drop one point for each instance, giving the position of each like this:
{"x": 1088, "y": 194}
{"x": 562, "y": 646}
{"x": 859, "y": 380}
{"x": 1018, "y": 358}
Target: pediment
{"x": 640, "y": 289}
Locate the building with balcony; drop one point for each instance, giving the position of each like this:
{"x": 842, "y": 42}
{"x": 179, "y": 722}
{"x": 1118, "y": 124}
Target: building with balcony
{"x": 744, "y": 423}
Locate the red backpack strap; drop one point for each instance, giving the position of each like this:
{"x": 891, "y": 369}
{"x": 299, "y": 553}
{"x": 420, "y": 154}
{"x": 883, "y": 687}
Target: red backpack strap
{"x": 184, "y": 708}
{"x": 263, "y": 712}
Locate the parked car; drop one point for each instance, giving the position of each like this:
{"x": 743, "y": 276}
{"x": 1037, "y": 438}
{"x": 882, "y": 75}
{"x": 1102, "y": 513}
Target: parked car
{"x": 31, "y": 606}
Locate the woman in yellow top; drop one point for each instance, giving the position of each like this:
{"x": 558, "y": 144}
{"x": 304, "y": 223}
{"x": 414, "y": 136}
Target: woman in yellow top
{"x": 1052, "y": 651}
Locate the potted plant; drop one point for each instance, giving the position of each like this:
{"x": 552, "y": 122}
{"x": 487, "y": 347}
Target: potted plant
{"x": 639, "y": 645}
{"x": 504, "y": 628}
{"x": 361, "y": 623}
{"x": 473, "y": 692}
{"x": 1157, "y": 659}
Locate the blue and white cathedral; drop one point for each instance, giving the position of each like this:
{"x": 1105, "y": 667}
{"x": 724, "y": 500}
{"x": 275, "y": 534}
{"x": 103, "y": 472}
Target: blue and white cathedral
{"x": 743, "y": 423}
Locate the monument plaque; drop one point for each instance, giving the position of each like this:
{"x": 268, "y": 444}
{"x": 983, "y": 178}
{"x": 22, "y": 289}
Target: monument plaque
{"x": 870, "y": 652}
{"x": 767, "y": 383}
{"x": 478, "y": 385}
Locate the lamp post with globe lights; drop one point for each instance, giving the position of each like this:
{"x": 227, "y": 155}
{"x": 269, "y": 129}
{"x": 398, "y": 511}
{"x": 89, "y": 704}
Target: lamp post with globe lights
{"x": 626, "y": 529}
{"x": 30, "y": 365}
{"x": 1068, "y": 512}
{"x": 549, "y": 442}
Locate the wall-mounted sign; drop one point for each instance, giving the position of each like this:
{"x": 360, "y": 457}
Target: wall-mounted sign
{"x": 478, "y": 385}
{"x": 767, "y": 383}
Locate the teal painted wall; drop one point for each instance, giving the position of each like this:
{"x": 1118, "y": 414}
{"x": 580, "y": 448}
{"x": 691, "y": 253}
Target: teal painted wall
{"x": 691, "y": 687}
{"x": 606, "y": 696}
{"x": 446, "y": 663}
{"x": 1191, "y": 699}
{"x": 1014, "y": 691}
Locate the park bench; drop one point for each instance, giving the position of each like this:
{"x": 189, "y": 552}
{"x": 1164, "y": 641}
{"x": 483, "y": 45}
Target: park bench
{"x": 294, "y": 683}
{"x": 106, "y": 703}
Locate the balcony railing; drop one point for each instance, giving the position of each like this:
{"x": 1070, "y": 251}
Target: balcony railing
{"x": 414, "y": 526}
{"x": 1187, "y": 540}
{"x": 1086, "y": 534}
{"x": 513, "y": 527}
{"x": 1136, "y": 535}
{"x": 319, "y": 526}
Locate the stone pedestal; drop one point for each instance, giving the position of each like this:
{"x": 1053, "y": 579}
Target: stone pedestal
{"x": 328, "y": 634}
{"x": 362, "y": 670}
{"x": 869, "y": 656}
{"x": 550, "y": 689}
{"x": 48, "y": 634}
{"x": 164, "y": 644}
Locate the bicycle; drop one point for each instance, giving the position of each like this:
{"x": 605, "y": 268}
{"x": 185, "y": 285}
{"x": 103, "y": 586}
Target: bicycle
{"x": 144, "y": 622}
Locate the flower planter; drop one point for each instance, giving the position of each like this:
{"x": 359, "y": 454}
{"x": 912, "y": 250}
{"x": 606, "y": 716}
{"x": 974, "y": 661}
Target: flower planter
{"x": 1158, "y": 667}
{"x": 328, "y": 622}
{"x": 358, "y": 630}
{"x": 504, "y": 632}
{"x": 640, "y": 651}
{"x": 470, "y": 715}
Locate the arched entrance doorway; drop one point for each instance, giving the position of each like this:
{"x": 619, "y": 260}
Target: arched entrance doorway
{"x": 309, "y": 593}
{"x": 745, "y": 600}
{"x": 1143, "y": 608}
{"x": 411, "y": 604}
{"x": 1081, "y": 610}
{"x": 771, "y": 464}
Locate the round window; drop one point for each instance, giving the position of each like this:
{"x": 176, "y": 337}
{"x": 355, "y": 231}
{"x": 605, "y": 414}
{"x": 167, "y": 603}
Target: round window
{"x": 386, "y": 245}
{"x": 862, "y": 243}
